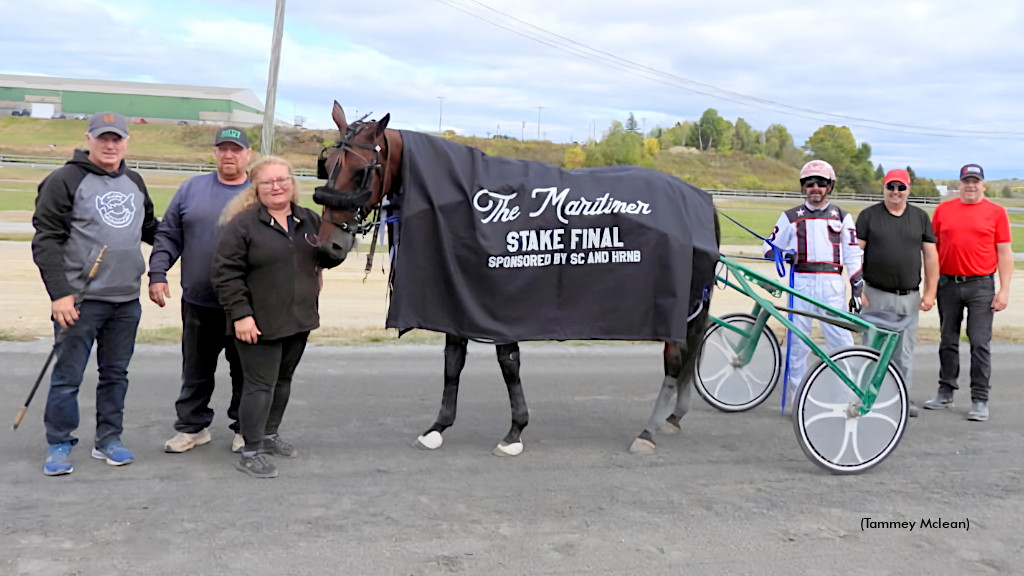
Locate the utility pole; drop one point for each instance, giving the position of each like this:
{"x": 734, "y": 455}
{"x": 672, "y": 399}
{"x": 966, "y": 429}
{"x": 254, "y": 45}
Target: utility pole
{"x": 539, "y": 108}
{"x": 522, "y": 133}
{"x": 267, "y": 140}
{"x": 440, "y": 113}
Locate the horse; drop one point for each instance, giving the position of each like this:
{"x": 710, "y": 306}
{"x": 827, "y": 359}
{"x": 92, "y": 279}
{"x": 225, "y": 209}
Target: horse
{"x": 364, "y": 167}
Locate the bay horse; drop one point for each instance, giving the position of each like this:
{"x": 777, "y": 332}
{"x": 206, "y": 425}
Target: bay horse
{"x": 361, "y": 170}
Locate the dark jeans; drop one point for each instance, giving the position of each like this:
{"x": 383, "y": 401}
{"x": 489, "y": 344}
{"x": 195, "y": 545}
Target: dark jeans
{"x": 268, "y": 366}
{"x": 112, "y": 327}
{"x": 976, "y": 297}
{"x": 203, "y": 336}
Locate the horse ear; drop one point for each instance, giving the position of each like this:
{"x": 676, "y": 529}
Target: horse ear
{"x": 338, "y": 114}
{"x": 383, "y": 123}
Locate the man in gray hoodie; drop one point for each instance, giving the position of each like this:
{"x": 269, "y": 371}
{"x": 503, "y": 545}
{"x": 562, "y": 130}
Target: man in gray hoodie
{"x": 93, "y": 201}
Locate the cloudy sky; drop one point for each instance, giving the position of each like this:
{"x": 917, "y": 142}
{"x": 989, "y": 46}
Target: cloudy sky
{"x": 932, "y": 84}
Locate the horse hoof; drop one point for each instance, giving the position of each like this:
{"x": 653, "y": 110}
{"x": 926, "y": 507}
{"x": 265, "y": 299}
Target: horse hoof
{"x": 430, "y": 441}
{"x": 506, "y": 449}
{"x": 641, "y": 446}
{"x": 669, "y": 428}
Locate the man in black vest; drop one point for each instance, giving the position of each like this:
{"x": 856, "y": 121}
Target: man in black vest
{"x": 894, "y": 236}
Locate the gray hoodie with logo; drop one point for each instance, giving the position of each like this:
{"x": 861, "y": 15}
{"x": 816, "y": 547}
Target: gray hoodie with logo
{"x": 80, "y": 209}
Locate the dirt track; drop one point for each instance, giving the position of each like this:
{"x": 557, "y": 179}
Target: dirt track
{"x": 350, "y": 310}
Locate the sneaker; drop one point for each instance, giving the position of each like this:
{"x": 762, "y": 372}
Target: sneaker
{"x": 184, "y": 441}
{"x": 58, "y": 460}
{"x": 237, "y": 443}
{"x": 114, "y": 453}
{"x": 257, "y": 466}
{"x": 979, "y": 412}
{"x": 278, "y": 447}
{"x": 912, "y": 410}
{"x": 943, "y": 399}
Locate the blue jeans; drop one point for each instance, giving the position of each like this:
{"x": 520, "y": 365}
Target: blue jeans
{"x": 112, "y": 326}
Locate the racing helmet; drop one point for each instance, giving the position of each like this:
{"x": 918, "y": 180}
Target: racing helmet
{"x": 818, "y": 168}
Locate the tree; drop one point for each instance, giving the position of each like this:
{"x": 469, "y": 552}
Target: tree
{"x": 619, "y": 146}
{"x": 676, "y": 135}
{"x": 712, "y": 131}
{"x": 746, "y": 139}
{"x": 631, "y": 125}
{"x": 778, "y": 144}
{"x": 837, "y": 146}
{"x": 880, "y": 172}
{"x": 651, "y": 147}
{"x": 921, "y": 186}
{"x": 574, "y": 158}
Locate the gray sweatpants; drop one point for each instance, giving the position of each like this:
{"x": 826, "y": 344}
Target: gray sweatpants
{"x": 906, "y": 305}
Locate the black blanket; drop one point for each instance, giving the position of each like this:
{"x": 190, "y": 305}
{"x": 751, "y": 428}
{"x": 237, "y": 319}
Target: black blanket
{"x": 501, "y": 250}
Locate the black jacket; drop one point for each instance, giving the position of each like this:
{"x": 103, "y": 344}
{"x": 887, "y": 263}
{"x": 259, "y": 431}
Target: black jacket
{"x": 271, "y": 274}
{"x": 79, "y": 209}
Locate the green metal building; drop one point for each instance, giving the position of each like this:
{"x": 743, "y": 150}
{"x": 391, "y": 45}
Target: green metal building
{"x": 136, "y": 100}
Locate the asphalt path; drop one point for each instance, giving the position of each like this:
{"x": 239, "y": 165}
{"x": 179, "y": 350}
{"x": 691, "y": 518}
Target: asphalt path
{"x": 733, "y": 494}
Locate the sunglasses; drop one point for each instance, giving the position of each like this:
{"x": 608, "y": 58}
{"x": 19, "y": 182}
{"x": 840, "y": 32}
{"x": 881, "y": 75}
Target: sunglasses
{"x": 815, "y": 181}
{"x": 896, "y": 186}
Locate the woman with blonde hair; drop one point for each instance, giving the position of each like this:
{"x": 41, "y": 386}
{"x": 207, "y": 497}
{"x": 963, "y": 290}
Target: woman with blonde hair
{"x": 267, "y": 277}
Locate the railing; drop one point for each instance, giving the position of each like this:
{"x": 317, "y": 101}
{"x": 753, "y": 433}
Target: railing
{"x": 309, "y": 173}
{"x": 834, "y": 196}
{"x": 135, "y": 164}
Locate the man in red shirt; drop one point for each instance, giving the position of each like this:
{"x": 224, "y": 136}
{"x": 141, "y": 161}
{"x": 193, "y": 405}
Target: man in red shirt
{"x": 973, "y": 239}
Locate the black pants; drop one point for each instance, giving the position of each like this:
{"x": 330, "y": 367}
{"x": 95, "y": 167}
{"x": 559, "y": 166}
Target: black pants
{"x": 203, "y": 336}
{"x": 268, "y": 366}
{"x": 976, "y": 297}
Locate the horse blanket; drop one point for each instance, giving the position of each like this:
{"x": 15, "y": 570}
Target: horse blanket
{"x": 502, "y": 250}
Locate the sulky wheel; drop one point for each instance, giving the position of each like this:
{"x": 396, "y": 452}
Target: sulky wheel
{"x": 720, "y": 377}
{"x": 828, "y": 425}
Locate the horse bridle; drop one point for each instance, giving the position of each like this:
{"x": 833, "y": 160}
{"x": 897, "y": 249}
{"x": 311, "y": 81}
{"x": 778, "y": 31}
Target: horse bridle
{"x": 355, "y": 203}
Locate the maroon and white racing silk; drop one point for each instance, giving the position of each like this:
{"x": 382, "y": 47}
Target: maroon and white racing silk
{"x": 824, "y": 240}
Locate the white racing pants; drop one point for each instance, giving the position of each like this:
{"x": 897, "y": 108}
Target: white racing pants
{"x": 828, "y": 289}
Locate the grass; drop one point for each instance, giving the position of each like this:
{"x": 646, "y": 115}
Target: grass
{"x": 164, "y": 335}
{"x": 18, "y": 188}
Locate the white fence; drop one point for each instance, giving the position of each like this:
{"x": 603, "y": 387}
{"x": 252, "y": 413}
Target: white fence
{"x": 310, "y": 173}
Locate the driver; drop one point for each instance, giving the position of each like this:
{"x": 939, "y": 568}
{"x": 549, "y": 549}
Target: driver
{"x": 823, "y": 241}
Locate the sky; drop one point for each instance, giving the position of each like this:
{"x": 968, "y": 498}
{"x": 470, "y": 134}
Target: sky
{"x": 934, "y": 84}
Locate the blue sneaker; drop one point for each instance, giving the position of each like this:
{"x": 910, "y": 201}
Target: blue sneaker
{"x": 114, "y": 453}
{"x": 58, "y": 460}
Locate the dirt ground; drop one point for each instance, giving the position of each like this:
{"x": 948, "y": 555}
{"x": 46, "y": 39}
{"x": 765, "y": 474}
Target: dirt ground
{"x": 351, "y": 310}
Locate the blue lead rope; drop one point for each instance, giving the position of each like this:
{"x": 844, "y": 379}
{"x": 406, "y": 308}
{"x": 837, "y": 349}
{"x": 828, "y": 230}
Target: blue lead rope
{"x": 780, "y": 268}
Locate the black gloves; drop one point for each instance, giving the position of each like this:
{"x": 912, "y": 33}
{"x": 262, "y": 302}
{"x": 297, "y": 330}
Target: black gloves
{"x": 857, "y": 286}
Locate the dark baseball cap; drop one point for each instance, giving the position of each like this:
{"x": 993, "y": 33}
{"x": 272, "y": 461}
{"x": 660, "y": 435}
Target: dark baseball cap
{"x": 232, "y": 134}
{"x": 103, "y": 122}
{"x": 972, "y": 171}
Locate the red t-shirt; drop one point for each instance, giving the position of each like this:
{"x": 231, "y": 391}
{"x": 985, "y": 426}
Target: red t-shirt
{"x": 966, "y": 236}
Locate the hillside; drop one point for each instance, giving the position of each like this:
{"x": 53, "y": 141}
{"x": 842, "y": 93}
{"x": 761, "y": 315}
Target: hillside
{"x": 709, "y": 169}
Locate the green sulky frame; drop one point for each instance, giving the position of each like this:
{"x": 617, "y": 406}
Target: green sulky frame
{"x": 744, "y": 279}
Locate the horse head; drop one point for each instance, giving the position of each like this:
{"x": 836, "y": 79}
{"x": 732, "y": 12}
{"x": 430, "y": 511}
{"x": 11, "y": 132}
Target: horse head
{"x": 359, "y": 174}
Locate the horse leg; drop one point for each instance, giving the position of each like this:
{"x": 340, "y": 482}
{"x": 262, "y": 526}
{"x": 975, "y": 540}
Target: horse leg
{"x": 684, "y": 383}
{"x": 454, "y": 362}
{"x": 508, "y": 360}
{"x": 644, "y": 443}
